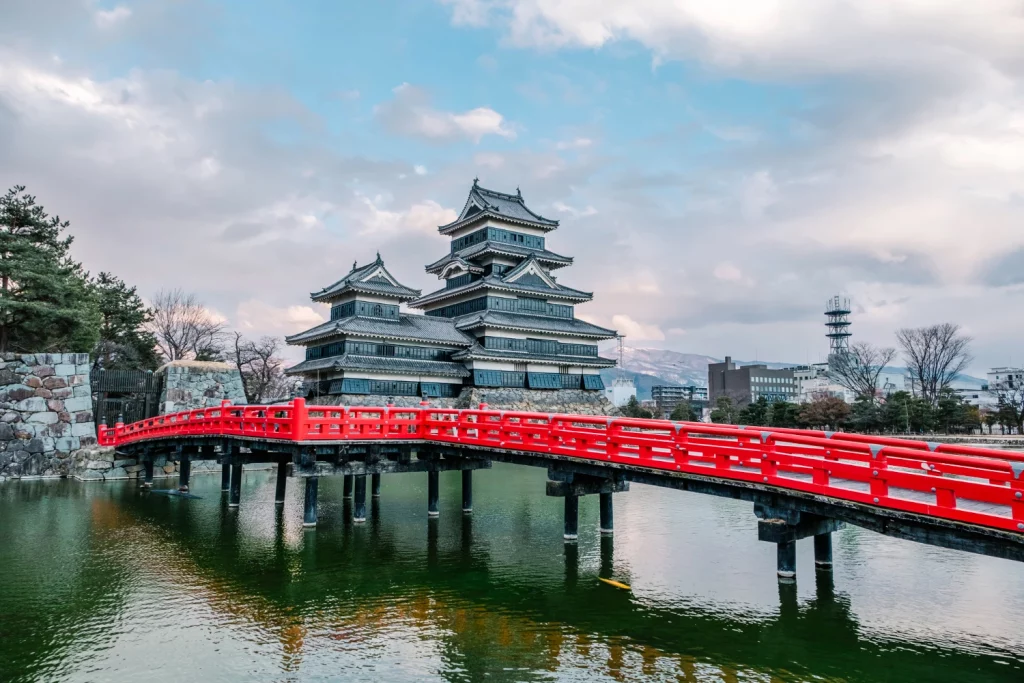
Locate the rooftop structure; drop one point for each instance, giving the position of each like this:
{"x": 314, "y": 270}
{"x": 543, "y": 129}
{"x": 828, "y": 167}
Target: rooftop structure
{"x": 837, "y": 312}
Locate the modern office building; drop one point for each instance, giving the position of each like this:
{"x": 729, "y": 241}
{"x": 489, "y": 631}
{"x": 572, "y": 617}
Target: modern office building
{"x": 748, "y": 383}
{"x": 668, "y": 397}
{"x": 1005, "y": 378}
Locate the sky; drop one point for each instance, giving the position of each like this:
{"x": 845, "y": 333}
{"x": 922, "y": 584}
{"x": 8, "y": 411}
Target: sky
{"x": 720, "y": 168}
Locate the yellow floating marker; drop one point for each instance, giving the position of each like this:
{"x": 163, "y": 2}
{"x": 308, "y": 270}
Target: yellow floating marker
{"x": 615, "y": 583}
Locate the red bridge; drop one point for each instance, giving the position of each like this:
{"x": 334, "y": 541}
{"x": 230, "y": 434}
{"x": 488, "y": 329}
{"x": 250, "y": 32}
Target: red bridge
{"x": 802, "y": 482}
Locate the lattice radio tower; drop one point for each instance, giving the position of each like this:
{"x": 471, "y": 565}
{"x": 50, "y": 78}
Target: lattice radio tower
{"x": 837, "y": 310}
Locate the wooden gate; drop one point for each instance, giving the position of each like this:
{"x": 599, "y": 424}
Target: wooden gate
{"x": 128, "y": 394}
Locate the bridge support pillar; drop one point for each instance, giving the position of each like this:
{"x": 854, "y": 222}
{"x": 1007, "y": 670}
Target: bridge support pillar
{"x": 347, "y": 486}
{"x": 786, "y": 554}
{"x": 375, "y": 484}
{"x": 359, "y": 509}
{"x": 236, "y": 485}
{"x": 147, "y": 468}
{"x": 309, "y": 509}
{"x": 184, "y": 471}
{"x": 467, "y": 490}
{"x": 572, "y": 518}
{"x": 823, "y": 551}
{"x": 607, "y": 517}
{"x": 282, "y": 482}
{"x": 225, "y": 476}
{"x": 785, "y": 526}
{"x": 433, "y": 487}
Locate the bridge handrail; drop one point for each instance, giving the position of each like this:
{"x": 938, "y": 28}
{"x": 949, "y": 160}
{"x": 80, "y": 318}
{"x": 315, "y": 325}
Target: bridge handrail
{"x": 799, "y": 459}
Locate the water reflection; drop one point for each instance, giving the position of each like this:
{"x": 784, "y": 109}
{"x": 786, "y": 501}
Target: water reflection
{"x": 108, "y": 583}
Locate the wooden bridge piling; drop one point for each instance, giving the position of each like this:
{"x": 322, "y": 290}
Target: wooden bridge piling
{"x": 346, "y": 491}
{"x": 184, "y": 469}
{"x": 147, "y": 469}
{"x": 225, "y": 475}
{"x": 607, "y": 516}
{"x": 823, "y": 551}
{"x": 786, "y": 560}
{"x": 236, "y": 484}
{"x": 282, "y": 482}
{"x": 359, "y": 509}
{"x": 375, "y": 485}
{"x": 467, "y": 491}
{"x": 309, "y": 506}
{"x": 572, "y": 518}
{"x": 433, "y": 486}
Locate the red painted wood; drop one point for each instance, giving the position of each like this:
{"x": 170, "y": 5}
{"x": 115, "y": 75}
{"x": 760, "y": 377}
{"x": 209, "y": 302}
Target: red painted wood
{"x": 887, "y": 465}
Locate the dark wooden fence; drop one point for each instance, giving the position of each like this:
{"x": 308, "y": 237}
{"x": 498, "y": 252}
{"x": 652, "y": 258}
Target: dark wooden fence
{"x": 131, "y": 394}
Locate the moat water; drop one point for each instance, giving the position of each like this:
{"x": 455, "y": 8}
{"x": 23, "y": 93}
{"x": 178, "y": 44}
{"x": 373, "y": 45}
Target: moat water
{"x": 101, "y": 582}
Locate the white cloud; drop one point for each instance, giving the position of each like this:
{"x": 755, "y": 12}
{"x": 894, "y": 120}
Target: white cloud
{"x": 562, "y": 207}
{"x": 410, "y": 113}
{"x": 758, "y": 193}
{"x": 728, "y": 272}
{"x": 257, "y": 316}
{"x": 733, "y": 133}
{"x": 489, "y": 160}
{"x": 793, "y": 37}
{"x": 575, "y": 143}
{"x": 636, "y": 331}
{"x": 372, "y": 218}
{"x": 419, "y": 169}
{"x": 110, "y": 18}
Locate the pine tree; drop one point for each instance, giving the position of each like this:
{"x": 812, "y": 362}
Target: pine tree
{"x": 684, "y": 412}
{"x": 46, "y": 303}
{"x": 124, "y": 343}
{"x": 634, "y": 409}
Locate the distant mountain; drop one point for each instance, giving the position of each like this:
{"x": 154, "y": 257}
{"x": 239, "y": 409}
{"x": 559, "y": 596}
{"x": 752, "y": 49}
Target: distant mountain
{"x": 672, "y": 367}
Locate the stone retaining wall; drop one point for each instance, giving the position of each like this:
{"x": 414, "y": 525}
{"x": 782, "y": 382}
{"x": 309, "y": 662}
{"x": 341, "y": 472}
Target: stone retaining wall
{"x": 45, "y": 413}
{"x": 377, "y": 400}
{"x": 102, "y": 463}
{"x": 575, "y": 401}
{"x": 189, "y": 385}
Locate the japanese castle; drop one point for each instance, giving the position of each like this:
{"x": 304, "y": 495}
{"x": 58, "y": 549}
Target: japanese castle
{"x": 501, "y": 319}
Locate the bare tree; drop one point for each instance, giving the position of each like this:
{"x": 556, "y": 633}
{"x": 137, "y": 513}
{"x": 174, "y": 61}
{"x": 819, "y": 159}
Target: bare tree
{"x": 935, "y": 355}
{"x": 261, "y": 368}
{"x": 183, "y": 328}
{"x": 859, "y": 368}
{"x": 1010, "y": 406}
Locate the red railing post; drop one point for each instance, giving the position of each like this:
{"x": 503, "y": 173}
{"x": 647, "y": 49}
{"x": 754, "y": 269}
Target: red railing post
{"x": 879, "y": 486}
{"x": 1017, "y": 486}
{"x": 300, "y": 416}
{"x": 769, "y": 458}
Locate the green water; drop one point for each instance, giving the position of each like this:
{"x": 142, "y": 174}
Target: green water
{"x": 100, "y": 582}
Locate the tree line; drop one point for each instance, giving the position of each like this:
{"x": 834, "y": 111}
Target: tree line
{"x": 50, "y": 303}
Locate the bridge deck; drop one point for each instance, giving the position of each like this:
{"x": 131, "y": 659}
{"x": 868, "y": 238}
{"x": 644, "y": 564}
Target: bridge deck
{"x": 935, "y": 488}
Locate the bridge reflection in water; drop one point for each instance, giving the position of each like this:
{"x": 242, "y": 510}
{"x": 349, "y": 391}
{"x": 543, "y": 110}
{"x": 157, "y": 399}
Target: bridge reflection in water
{"x": 467, "y": 598}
